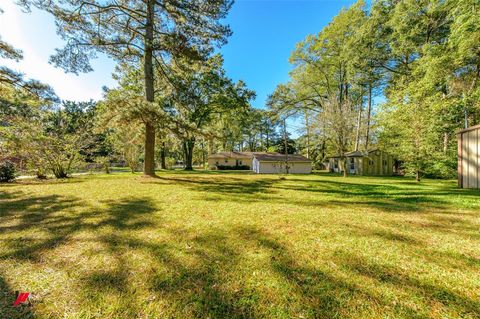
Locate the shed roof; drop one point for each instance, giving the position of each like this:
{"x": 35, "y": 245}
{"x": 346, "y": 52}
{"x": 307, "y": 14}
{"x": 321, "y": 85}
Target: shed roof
{"x": 277, "y": 157}
{"x": 471, "y": 128}
{"x": 357, "y": 153}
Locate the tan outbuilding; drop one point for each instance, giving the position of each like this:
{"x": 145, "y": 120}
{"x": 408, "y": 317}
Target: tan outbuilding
{"x": 373, "y": 162}
{"x": 469, "y": 157}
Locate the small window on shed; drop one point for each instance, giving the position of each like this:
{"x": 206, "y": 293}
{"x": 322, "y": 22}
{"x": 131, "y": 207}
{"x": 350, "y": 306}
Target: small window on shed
{"x": 385, "y": 163}
{"x": 370, "y": 162}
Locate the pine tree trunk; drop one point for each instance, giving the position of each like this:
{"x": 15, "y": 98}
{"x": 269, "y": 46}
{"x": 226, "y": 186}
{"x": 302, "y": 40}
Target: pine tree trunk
{"x": 417, "y": 176}
{"x": 369, "y": 114}
{"x": 359, "y": 120}
{"x": 149, "y": 165}
{"x": 163, "y": 154}
{"x": 445, "y": 142}
{"x": 204, "y": 157}
{"x": 188, "y": 145}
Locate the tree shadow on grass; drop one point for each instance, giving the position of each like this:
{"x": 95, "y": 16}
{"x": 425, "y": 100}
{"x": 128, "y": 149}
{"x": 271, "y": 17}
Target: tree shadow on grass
{"x": 321, "y": 291}
{"x": 202, "y": 285}
{"x": 203, "y": 279}
{"x": 199, "y": 284}
{"x": 190, "y": 278}
{"x": 404, "y": 196}
{"x": 221, "y": 184}
{"x": 49, "y": 221}
{"x": 400, "y": 192}
{"x": 40, "y": 182}
{"x": 385, "y": 233}
{"x": 391, "y": 194}
{"x": 326, "y": 295}
{"x": 37, "y": 226}
{"x": 192, "y": 270}
{"x": 425, "y": 291}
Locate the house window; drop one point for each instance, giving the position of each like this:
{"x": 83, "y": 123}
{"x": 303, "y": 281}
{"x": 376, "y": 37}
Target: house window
{"x": 226, "y": 160}
{"x": 239, "y": 162}
{"x": 217, "y": 162}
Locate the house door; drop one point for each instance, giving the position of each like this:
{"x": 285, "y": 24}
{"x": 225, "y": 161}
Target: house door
{"x": 352, "y": 165}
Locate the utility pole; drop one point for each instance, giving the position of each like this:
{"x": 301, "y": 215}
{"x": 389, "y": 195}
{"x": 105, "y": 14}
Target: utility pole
{"x": 465, "y": 110}
{"x": 286, "y": 144}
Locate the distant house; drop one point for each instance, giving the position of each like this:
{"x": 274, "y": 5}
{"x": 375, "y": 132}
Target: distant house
{"x": 374, "y": 162}
{"x": 224, "y": 160}
{"x": 260, "y": 162}
{"x": 274, "y": 163}
{"x": 469, "y": 157}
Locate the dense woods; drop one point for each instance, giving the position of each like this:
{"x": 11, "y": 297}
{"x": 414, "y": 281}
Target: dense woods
{"x": 397, "y": 75}
{"x": 401, "y": 76}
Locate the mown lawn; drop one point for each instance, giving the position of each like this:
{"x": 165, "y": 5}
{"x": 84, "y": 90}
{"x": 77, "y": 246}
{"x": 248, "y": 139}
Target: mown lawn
{"x": 232, "y": 245}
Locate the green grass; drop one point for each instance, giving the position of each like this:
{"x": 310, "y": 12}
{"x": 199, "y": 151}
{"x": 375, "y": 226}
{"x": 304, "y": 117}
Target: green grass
{"x": 236, "y": 245}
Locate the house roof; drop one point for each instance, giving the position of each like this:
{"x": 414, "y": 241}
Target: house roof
{"x": 277, "y": 157}
{"x": 232, "y": 155}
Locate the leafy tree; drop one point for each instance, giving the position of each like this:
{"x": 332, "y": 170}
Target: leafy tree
{"x": 420, "y": 57}
{"x": 430, "y": 84}
{"x": 150, "y": 32}
{"x": 279, "y": 146}
{"x": 127, "y": 141}
{"x": 204, "y": 94}
{"x": 323, "y": 81}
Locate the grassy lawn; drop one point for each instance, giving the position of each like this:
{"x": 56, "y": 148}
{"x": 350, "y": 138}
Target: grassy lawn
{"x": 236, "y": 245}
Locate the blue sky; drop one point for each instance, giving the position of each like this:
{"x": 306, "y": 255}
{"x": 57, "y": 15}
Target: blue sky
{"x": 264, "y": 34}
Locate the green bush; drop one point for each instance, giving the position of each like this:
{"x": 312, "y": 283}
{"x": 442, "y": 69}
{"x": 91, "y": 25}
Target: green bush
{"x": 7, "y": 171}
{"x": 443, "y": 168}
{"x": 236, "y": 168}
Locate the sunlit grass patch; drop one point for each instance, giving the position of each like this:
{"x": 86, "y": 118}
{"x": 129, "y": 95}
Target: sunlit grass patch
{"x": 234, "y": 245}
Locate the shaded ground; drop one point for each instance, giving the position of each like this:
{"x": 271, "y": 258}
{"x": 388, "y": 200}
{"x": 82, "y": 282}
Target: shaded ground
{"x": 232, "y": 245}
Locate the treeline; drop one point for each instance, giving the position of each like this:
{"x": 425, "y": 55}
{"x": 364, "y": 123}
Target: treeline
{"x": 197, "y": 112}
{"x": 397, "y": 75}
{"x": 173, "y": 103}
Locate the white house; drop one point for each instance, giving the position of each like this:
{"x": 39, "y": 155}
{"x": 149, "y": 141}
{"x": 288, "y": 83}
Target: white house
{"x": 274, "y": 163}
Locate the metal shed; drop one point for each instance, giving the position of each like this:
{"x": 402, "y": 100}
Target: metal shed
{"x": 469, "y": 157}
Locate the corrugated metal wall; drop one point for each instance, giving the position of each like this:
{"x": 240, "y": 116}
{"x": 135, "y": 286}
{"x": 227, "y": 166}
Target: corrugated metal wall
{"x": 469, "y": 157}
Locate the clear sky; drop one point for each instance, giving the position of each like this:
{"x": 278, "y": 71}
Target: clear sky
{"x": 264, "y": 34}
